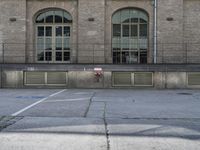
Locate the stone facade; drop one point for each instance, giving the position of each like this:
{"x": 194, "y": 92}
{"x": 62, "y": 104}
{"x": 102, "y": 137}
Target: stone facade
{"x": 178, "y": 28}
{"x": 13, "y": 32}
{"x": 91, "y": 39}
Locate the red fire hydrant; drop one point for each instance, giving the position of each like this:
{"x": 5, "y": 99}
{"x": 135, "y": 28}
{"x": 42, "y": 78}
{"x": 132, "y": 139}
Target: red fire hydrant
{"x": 98, "y": 73}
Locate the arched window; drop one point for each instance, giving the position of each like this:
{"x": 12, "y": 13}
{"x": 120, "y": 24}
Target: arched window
{"x": 130, "y": 36}
{"x": 53, "y": 32}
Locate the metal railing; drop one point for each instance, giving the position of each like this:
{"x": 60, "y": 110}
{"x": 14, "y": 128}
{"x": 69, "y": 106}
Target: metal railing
{"x": 80, "y": 53}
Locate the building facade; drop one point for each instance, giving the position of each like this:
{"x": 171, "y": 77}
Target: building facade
{"x": 49, "y": 40}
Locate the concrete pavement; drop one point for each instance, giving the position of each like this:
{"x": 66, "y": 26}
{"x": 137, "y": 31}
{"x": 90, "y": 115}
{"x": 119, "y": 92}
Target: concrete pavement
{"x": 111, "y": 119}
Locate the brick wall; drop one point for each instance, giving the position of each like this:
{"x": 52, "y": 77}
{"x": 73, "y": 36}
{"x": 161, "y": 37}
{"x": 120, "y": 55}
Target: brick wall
{"x": 13, "y": 31}
{"x": 178, "y": 23}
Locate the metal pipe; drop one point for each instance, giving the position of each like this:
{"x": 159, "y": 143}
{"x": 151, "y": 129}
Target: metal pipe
{"x": 3, "y": 47}
{"x": 155, "y": 32}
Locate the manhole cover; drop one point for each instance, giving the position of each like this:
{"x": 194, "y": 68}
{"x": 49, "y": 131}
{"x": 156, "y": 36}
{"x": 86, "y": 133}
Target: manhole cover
{"x": 185, "y": 93}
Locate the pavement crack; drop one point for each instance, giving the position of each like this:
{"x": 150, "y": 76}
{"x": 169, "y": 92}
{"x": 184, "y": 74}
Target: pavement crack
{"x": 6, "y": 121}
{"x": 88, "y": 108}
{"x": 106, "y": 127}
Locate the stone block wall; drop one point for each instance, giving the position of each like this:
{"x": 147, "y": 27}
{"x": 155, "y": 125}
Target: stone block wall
{"x": 13, "y": 29}
{"x": 178, "y": 28}
{"x": 191, "y": 29}
{"x": 170, "y": 31}
{"x": 91, "y": 26}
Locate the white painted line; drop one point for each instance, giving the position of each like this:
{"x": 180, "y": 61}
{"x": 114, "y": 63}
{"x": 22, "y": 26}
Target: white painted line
{"x": 36, "y": 103}
{"x": 57, "y": 93}
{"x": 67, "y": 100}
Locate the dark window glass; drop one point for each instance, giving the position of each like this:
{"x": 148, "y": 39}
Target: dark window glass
{"x": 40, "y": 18}
{"x": 58, "y": 56}
{"x": 67, "y": 18}
{"x": 143, "y": 21}
{"x": 54, "y": 17}
{"x": 66, "y": 56}
{"x": 49, "y": 17}
{"x": 130, "y": 30}
{"x": 116, "y": 30}
{"x": 125, "y": 30}
{"x": 134, "y": 30}
{"x": 40, "y": 31}
{"x": 66, "y": 31}
{"x": 133, "y": 58}
{"x": 116, "y": 57}
{"x": 143, "y": 29}
{"x": 58, "y": 16}
{"x": 48, "y": 31}
{"x": 143, "y": 57}
{"x": 126, "y": 21}
{"x": 116, "y": 49}
{"x": 59, "y": 31}
{"x": 134, "y": 20}
{"x": 41, "y": 56}
{"x": 48, "y": 56}
{"x": 55, "y": 48}
{"x": 125, "y": 57}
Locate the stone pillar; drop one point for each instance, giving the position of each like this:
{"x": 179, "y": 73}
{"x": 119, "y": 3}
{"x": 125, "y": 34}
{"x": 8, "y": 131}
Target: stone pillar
{"x": 13, "y": 29}
{"x": 91, "y": 24}
{"x": 170, "y": 31}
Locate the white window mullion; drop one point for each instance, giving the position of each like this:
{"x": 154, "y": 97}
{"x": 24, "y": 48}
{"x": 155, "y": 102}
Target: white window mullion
{"x": 62, "y": 43}
{"x": 54, "y": 43}
{"x": 138, "y": 42}
{"x": 44, "y": 46}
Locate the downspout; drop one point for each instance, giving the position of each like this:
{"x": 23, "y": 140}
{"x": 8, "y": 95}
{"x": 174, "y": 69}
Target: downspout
{"x": 155, "y": 33}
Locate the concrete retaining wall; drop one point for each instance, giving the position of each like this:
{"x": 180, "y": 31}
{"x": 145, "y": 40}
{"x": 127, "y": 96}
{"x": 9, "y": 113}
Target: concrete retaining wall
{"x": 12, "y": 79}
{"x": 87, "y": 79}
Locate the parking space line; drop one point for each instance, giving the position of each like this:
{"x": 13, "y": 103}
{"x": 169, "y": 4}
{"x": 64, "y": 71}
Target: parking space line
{"x": 67, "y": 100}
{"x": 36, "y": 103}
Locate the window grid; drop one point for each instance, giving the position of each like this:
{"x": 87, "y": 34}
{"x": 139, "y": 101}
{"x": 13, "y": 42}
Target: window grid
{"x": 120, "y": 48}
{"x": 53, "y": 46}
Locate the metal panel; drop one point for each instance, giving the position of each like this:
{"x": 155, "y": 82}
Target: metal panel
{"x": 143, "y": 79}
{"x": 193, "y": 78}
{"x": 35, "y": 78}
{"x": 56, "y": 78}
{"x": 122, "y": 78}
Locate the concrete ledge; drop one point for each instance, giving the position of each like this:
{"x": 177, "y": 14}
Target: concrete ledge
{"x": 105, "y": 67}
{"x": 82, "y": 76}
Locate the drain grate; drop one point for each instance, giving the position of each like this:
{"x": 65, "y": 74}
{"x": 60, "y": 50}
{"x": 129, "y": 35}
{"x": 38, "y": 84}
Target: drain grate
{"x": 184, "y": 93}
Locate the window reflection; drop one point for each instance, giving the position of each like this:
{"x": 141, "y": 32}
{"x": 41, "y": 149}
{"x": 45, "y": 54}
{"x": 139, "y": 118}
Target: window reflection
{"x": 53, "y": 36}
{"x": 57, "y": 16}
{"x": 129, "y": 38}
{"x": 49, "y": 16}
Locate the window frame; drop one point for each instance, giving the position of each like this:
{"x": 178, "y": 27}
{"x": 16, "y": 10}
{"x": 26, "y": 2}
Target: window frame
{"x": 53, "y": 38}
{"x": 120, "y": 39}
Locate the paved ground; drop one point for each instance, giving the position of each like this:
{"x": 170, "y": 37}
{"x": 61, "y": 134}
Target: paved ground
{"x": 74, "y": 119}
